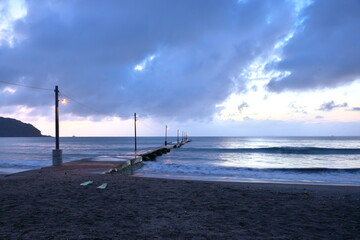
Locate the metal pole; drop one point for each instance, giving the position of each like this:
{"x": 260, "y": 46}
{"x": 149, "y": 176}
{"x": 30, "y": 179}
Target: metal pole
{"x": 135, "y": 131}
{"x": 57, "y": 144}
{"x": 165, "y": 135}
{"x": 57, "y": 152}
{"x": 178, "y": 136}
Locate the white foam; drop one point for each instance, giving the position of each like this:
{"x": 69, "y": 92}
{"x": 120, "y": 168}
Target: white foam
{"x": 247, "y": 174}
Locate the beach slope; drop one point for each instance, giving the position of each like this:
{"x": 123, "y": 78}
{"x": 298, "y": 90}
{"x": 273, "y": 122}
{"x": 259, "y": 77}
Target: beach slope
{"x": 52, "y": 205}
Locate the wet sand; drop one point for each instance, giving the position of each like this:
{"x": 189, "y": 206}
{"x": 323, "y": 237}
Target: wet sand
{"x": 51, "y": 204}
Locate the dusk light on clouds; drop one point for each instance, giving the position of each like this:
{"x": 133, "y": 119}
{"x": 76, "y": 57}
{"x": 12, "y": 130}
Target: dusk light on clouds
{"x": 233, "y": 68}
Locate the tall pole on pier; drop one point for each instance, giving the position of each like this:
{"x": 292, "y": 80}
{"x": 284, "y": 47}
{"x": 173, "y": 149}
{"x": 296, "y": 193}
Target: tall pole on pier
{"x": 57, "y": 142}
{"x": 166, "y": 128}
{"x": 57, "y": 152}
{"x": 182, "y": 136}
{"x": 178, "y": 136}
{"x": 135, "y": 132}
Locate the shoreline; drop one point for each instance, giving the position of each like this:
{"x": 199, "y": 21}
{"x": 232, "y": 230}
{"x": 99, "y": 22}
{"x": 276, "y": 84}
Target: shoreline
{"x": 96, "y": 170}
{"x": 216, "y": 179}
{"x": 93, "y": 167}
{"x": 51, "y": 204}
{"x": 336, "y": 190}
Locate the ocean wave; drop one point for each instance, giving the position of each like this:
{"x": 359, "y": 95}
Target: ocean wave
{"x": 23, "y": 164}
{"x": 282, "y": 150}
{"x": 308, "y": 170}
{"x": 344, "y": 176}
{"x": 223, "y": 170}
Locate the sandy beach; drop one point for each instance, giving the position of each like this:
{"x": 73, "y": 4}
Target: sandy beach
{"x": 51, "y": 204}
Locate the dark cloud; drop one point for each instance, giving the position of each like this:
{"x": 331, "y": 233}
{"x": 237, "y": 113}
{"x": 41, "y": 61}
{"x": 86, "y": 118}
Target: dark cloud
{"x": 242, "y": 106}
{"x": 355, "y": 109}
{"x": 297, "y": 109}
{"x": 254, "y": 88}
{"x": 329, "y": 106}
{"x": 248, "y": 119}
{"x": 301, "y": 111}
{"x": 90, "y": 49}
{"x": 325, "y": 51}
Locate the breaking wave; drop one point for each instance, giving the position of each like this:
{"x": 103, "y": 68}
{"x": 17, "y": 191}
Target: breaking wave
{"x": 282, "y": 150}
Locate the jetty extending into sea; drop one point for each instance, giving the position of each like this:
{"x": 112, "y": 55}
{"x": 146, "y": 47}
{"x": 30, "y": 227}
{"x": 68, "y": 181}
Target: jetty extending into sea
{"x": 122, "y": 164}
{"x": 133, "y": 161}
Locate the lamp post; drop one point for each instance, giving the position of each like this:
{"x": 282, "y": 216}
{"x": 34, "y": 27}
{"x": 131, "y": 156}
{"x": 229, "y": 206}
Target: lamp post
{"x": 166, "y": 128}
{"x": 135, "y": 132}
{"x": 178, "y": 136}
{"x": 57, "y": 152}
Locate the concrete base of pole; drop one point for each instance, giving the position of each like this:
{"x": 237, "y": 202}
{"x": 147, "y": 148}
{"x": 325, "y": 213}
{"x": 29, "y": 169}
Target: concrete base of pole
{"x": 57, "y": 157}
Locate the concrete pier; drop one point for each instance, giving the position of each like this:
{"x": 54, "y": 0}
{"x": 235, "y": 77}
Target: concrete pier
{"x": 146, "y": 155}
{"x": 125, "y": 164}
{"x": 151, "y": 154}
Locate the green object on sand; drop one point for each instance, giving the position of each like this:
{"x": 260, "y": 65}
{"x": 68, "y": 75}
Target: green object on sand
{"x": 102, "y": 186}
{"x": 86, "y": 183}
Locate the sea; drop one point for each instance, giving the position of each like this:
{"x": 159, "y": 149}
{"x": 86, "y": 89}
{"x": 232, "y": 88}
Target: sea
{"x": 295, "y": 160}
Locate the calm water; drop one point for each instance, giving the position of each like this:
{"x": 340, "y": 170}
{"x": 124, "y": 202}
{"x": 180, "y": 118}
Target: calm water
{"x": 20, "y": 154}
{"x": 321, "y": 160}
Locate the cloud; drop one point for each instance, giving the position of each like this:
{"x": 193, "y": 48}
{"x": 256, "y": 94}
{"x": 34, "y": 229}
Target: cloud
{"x": 329, "y": 106}
{"x": 94, "y": 51}
{"x": 276, "y": 128}
{"x": 324, "y": 51}
{"x": 297, "y": 109}
{"x": 355, "y": 109}
{"x": 242, "y": 106}
{"x": 319, "y": 117}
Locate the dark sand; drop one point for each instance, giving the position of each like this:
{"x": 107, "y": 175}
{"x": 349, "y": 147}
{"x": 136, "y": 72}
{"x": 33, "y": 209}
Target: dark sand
{"x": 49, "y": 204}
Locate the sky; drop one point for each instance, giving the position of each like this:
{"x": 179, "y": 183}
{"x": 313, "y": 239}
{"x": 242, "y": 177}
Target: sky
{"x": 207, "y": 67}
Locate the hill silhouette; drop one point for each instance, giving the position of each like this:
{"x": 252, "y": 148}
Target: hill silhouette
{"x": 10, "y": 127}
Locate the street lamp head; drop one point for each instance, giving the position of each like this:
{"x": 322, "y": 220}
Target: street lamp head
{"x": 64, "y": 101}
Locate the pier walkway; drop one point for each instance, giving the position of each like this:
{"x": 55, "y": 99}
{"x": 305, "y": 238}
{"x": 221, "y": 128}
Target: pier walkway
{"x": 145, "y": 155}
{"x": 121, "y": 163}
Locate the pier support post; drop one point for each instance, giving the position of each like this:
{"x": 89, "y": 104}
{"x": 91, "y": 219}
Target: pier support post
{"x": 57, "y": 157}
{"x": 57, "y": 152}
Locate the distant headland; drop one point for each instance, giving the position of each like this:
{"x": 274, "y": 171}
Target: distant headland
{"x": 10, "y": 127}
